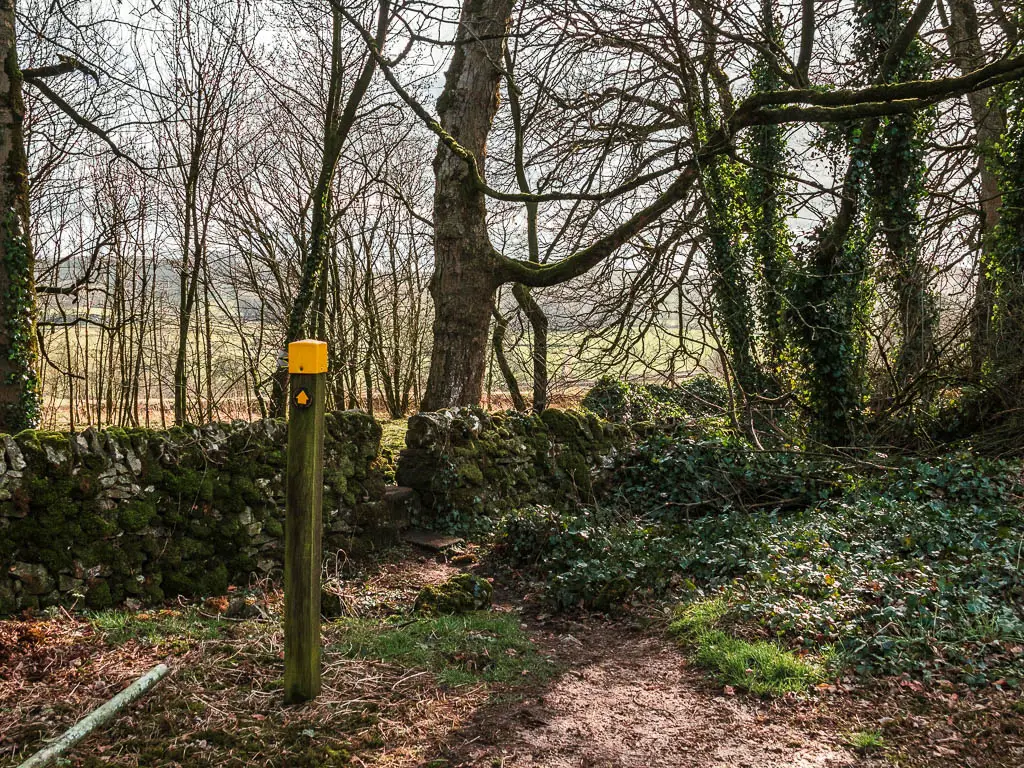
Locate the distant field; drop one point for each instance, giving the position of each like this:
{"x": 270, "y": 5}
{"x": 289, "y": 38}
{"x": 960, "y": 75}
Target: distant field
{"x": 657, "y": 355}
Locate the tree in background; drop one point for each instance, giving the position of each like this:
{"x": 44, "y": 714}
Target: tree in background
{"x": 832, "y": 294}
{"x": 832, "y": 302}
{"x": 567, "y": 142}
{"x": 727, "y": 216}
{"x": 895, "y": 187}
{"x": 308, "y": 314}
{"x": 766, "y": 188}
{"x": 988, "y": 114}
{"x": 1004, "y": 374}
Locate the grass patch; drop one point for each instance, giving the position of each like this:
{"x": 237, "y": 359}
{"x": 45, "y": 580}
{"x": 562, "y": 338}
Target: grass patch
{"x": 155, "y": 627}
{"x": 698, "y": 618}
{"x": 392, "y": 443}
{"x": 867, "y": 741}
{"x": 760, "y": 667}
{"x": 459, "y": 650}
{"x": 393, "y": 434}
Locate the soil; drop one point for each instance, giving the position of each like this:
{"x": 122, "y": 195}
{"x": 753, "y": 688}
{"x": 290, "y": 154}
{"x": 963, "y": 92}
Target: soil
{"x": 624, "y": 697}
{"x": 629, "y": 700}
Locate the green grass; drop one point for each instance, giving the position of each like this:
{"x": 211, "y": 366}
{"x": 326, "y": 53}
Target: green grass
{"x": 460, "y": 650}
{"x": 656, "y": 346}
{"x": 867, "y": 741}
{"x": 698, "y": 617}
{"x": 760, "y": 667}
{"x": 119, "y": 626}
{"x": 393, "y": 434}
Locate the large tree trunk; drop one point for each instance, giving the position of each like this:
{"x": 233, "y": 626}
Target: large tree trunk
{"x": 462, "y": 292}
{"x": 989, "y": 120}
{"x": 465, "y": 263}
{"x": 19, "y": 384}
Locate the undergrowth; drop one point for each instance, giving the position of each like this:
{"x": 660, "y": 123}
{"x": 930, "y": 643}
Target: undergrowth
{"x": 678, "y": 474}
{"x": 903, "y": 567}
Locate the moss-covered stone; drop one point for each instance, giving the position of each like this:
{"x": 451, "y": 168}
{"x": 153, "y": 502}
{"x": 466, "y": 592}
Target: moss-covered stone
{"x": 274, "y": 527}
{"x": 153, "y": 514}
{"x": 471, "y": 474}
{"x": 462, "y": 593}
{"x": 133, "y": 516}
{"x": 469, "y": 467}
{"x": 98, "y": 596}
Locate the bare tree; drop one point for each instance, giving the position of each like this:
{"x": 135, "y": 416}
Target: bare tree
{"x": 469, "y": 269}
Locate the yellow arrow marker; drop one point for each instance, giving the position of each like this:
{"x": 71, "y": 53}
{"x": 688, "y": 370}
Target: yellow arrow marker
{"x": 302, "y": 398}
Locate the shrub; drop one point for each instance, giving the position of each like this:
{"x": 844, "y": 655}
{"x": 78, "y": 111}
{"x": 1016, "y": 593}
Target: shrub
{"x": 617, "y": 400}
{"x": 677, "y": 476}
{"x": 700, "y": 395}
{"x": 620, "y": 401}
{"x": 590, "y": 558}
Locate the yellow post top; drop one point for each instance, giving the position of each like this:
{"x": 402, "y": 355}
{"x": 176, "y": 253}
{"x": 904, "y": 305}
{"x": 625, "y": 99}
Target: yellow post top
{"x": 307, "y": 356}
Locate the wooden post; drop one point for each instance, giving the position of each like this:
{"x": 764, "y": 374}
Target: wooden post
{"x": 303, "y": 545}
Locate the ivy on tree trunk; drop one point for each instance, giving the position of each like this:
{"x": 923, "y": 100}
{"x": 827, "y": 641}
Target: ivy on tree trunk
{"x": 765, "y": 188}
{"x": 19, "y": 384}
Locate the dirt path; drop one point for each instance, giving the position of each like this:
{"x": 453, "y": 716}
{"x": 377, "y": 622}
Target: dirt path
{"x": 622, "y": 697}
{"x": 629, "y": 701}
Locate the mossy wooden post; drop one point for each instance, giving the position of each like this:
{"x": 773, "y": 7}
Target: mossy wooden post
{"x": 307, "y": 366}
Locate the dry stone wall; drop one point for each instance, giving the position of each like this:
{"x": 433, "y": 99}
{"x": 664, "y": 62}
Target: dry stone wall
{"x": 469, "y": 466}
{"x": 136, "y": 516}
{"x": 104, "y": 516}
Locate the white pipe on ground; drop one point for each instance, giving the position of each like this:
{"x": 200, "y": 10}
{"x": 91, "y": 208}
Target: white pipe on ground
{"x": 94, "y": 719}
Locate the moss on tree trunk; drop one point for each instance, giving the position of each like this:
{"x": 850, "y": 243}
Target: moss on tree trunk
{"x": 19, "y": 384}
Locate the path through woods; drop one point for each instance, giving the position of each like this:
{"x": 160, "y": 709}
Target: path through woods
{"x": 621, "y": 695}
{"x": 629, "y": 700}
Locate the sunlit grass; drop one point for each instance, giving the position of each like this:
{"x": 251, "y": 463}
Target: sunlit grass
{"x": 154, "y": 627}
{"x": 393, "y": 434}
{"x": 475, "y": 647}
{"x": 761, "y": 667}
{"x": 867, "y": 741}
